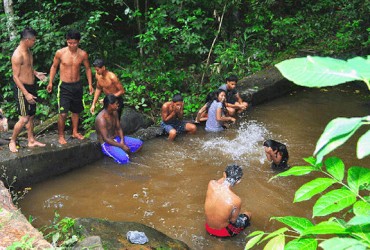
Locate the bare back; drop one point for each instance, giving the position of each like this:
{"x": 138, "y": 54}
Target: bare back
{"x": 70, "y": 64}
{"x": 22, "y": 65}
{"x": 221, "y": 205}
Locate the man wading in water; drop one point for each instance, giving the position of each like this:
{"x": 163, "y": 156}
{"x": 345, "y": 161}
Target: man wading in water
{"x": 222, "y": 206}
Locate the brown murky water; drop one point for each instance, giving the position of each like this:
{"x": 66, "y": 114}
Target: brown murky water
{"x": 165, "y": 185}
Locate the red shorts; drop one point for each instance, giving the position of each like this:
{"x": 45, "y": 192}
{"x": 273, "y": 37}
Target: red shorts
{"x": 228, "y": 231}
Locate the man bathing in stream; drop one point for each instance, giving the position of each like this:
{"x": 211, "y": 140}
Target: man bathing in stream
{"x": 114, "y": 143}
{"x": 24, "y": 78}
{"x": 222, "y": 206}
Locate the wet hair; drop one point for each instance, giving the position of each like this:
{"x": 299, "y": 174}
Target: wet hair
{"x": 73, "y": 34}
{"x": 177, "y": 98}
{"x": 214, "y": 95}
{"x": 109, "y": 99}
{"x": 27, "y": 33}
{"x": 280, "y": 148}
{"x": 232, "y": 78}
{"x": 233, "y": 174}
{"x": 99, "y": 63}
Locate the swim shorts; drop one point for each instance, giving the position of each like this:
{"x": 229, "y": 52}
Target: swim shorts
{"x": 118, "y": 154}
{"x": 241, "y": 223}
{"x": 24, "y": 107}
{"x": 70, "y": 97}
{"x": 179, "y": 126}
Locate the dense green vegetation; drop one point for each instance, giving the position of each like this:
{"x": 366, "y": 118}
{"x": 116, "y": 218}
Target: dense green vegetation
{"x": 158, "y": 48}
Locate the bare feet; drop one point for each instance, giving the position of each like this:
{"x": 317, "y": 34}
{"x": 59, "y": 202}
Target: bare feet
{"x": 13, "y": 147}
{"x": 78, "y": 136}
{"x": 62, "y": 140}
{"x": 36, "y": 144}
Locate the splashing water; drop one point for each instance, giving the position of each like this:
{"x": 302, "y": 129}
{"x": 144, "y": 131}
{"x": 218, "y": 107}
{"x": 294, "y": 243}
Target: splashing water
{"x": 246, "y": 145}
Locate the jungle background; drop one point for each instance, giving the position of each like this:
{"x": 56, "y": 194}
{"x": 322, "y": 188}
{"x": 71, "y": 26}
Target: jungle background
{"x": 159, "y": 48}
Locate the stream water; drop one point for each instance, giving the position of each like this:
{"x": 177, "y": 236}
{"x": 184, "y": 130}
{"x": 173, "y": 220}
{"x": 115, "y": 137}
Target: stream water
{"x": 165, "y": 185}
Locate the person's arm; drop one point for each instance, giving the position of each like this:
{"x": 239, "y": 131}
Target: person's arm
{"x": 102, "y": 127}
{"x": 53, "y": 70}
{"x": 201, "y": 112}
{"x": 96, "y": 96}
{"x": 40, "y": 75}
{"x": 235, "y": 212}
{"x": 166, "y": 115}
{"x": 117, "y": 84}
{"x": 17, "y": 61}
{"x": 88, "y": 72}
{"x": 119, "y": 132}
{"x": 221, "y": 118}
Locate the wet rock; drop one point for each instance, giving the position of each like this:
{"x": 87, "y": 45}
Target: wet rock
{"x": 148, "y": 133}
{"x": 15, "y": 226}
{"x": 91, "y": 243}
{"x": 113, "y": 235}
{"x": 131, "y": 121}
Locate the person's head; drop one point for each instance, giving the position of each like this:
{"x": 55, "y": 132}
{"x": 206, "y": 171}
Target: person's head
{"x": 110, "y": 100}
{"x": 231, "y": 82}
{"x": 99, "y": 66}
{"x": 28, "y": 35}
{"x": 73, "y": 38}
{"x": 220, "y": 95}
{"x": 282, "y": 149}
{"x": 177, "y": 100}
{"x": 233, "y": 174}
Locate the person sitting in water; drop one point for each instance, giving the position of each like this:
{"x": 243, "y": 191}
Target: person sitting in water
{"x": 172, "y": 122}
{"x": 234, "y": 102}
{"x": 202, "y": 114}
{"x": 216, "y": 114}
{"x": 277, "y": 153}
{"x": 114, "y": 143}
{"x": 222, "y": 206}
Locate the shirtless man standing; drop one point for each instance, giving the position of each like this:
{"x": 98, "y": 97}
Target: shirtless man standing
{"x": 222, "y": 206}
{"x": 24, "y": 78}
{"x": 70, "y": 59}
{"x": 107, "y": 82}
{"x": 172, "y": 122}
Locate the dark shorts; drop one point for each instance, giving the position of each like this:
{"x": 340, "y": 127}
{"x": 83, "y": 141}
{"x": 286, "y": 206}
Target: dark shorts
{"x": 179, "y": 126}
{"x": 242, "y": 222}
{"x": 24, "y": 107}
{"x": 70, "y": 97}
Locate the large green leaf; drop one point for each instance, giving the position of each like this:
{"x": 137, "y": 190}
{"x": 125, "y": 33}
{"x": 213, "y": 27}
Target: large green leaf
{"x": 333, "y": 202}
{"x": 280, "y": 231}
{"x": 253, "y": 241}
{"x": 363, "y": 145}
{"x": 276, "y": 243}
{"x": 358, "y": 176}
{"x": 299, "y": 224}
{"x": 359, "y": 220}
{"x": 317, "y": 71}
{"x": 337, "y": 132}
{"x": 361, "y": 208}
{"x": 335, "y": 167}
{"x": 361, "y": 65}
{"x": 301, "y": 244}
{"x": 306, "y": 191}
{"x": 296, "y": 171}
{"x": 342, "y": 244}
{"x": 325, "y": 227}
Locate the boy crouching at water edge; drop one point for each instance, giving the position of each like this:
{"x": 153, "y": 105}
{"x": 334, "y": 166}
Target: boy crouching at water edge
{"x": 110, "y": 134}
{"x": 222, "y": 206}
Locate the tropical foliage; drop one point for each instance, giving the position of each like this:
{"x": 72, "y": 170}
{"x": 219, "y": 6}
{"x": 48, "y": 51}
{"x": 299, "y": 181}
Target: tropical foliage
{"x": 158, "y": 48}
{"x": 343, "y": 197}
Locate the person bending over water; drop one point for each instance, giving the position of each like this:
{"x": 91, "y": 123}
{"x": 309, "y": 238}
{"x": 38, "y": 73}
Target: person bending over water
{"x": 234, "y": 103}
{"x": 222, "y": 206}
{"x": 172, "y": 122}
{"x": 114, "y": 143}
{"x": 216, "y": 114}
{"x": 277, "y": 153}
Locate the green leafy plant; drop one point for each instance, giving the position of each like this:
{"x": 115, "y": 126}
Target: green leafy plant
{"x": 348, "y": 197}
{"x": 61, "y": 232}
{"x": 25, "y": 244}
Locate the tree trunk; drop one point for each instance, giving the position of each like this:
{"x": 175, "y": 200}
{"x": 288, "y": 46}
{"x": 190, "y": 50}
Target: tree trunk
{"x": 10, "y": 24}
